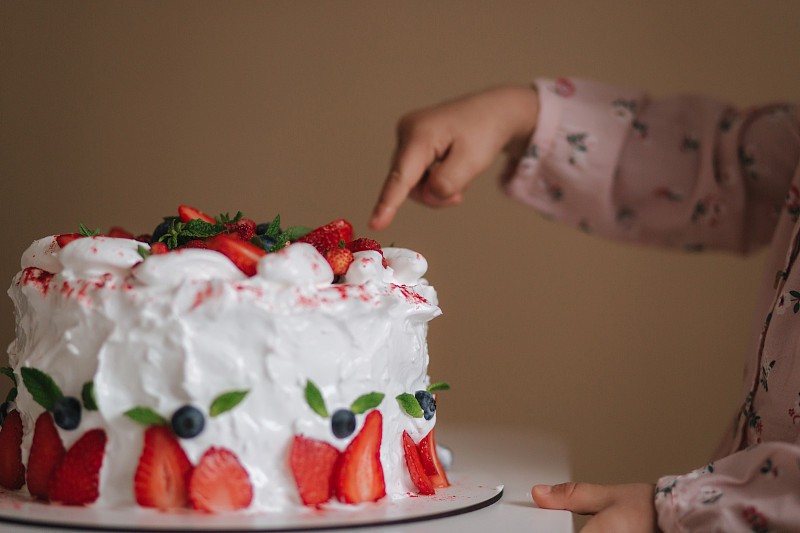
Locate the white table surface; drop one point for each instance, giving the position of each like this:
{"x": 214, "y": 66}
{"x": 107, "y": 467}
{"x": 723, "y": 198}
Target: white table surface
{"x": 517, "y": 458}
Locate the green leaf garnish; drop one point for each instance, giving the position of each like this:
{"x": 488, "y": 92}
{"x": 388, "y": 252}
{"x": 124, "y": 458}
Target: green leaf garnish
{"x": 410, "y": 405}
{"x": 12, "y": 395}
{"x": 441, "y": 385}
{"x": 226, "y": 218}
{"x": 256, "y": 240}
{"x": 280, "y": 242}
{"x": 181, "y": 232}
{"x": 88, "y": 397}
{"x": 295, "y": 232}
{"x": 226, "y": 402}
{"x": 8, "y": 371}
{"x": 86, "y": 232}
{"x": 44, "y": 390}
{"x": 274, "y": 227}
{"x": 146, "y": 416}
{"x": 365, "y": 402}
{"x": 144, "y": 252}
{"x": 315, "y": 400}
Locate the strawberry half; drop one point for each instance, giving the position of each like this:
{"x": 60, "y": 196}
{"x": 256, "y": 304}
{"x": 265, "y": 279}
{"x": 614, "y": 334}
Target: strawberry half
{"x": 415, "y": 468}
{"x": 364, "y": 245}
{"x": 313, "y": 463}
{"x": 67, "y": 238}
{"x": 328, "y": 236}
{"x": 161, "y": 477}
{"x": 219, "y": 483}
{"x": 47, "y": 450}
{"x": 188, "y": 213}
{"x": 120, "y": 233}
{"x": 339, "y": 259}
{"x": 76, "y": 478}
{"x": 430, "y": 462}
{"x": 12, "y": 471}
{"x": 243, "y": 254}
{"x": 359, "y": 474}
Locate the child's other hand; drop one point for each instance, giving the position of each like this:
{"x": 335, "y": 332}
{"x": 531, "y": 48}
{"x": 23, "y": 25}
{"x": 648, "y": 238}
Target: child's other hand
{"x": 440, "y": 150}
{"x": 616, "y": 508}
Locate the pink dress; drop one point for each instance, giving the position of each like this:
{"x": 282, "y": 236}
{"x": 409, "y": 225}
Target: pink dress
{"x": 694, "y": 173}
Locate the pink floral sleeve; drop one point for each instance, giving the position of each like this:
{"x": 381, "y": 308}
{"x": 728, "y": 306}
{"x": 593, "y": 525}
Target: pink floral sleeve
{"x": 694, "y": 173}
{"x": 689, "y": 172}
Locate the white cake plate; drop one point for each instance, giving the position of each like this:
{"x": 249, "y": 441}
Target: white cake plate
{"x": 463, "y": 496}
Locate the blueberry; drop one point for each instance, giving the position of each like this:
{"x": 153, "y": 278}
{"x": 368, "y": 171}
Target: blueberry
{"x": 188, "y": 422}
{"x": 267, "y": 240}
{"x": 343, "y": 423}
{"x": 161, "y": 230}
{"x": 4, "y": 408}
{"x": 262, "y": 228}
{"x": 67, "y": 412}
{"x": 426, "y": 401}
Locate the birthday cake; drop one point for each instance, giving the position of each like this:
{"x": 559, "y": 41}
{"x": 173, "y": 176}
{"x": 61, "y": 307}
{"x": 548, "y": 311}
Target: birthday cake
{"x": 220, "y": 365}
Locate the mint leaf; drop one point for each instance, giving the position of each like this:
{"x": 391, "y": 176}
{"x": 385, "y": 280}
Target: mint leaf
{"x": 199, "y": 228}
{"x": 8, "y": 371}
{"x": 295, "y": 232}
{"x": 44, "y": 390}
{"x": 274, "y": 227}
{"x": 88, "y": 397}
{"x": 256, "y": 240}
{"x": 315, "y": 400}
{"x": 12, "y": 394}
{"x": 86, "y": 232}
{"x": 144, "y": 252}
{"x": 365, "y": 402}
{"x": 226, "y": 218}
{"x": 441, "y": 385}
{"x": 280, "y": 242}
{"x": 146, "y": 416}
{"x": 226, "y": 402}
{"x": 410, "y": 405}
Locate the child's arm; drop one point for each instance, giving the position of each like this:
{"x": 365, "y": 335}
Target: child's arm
{"x": 440, "y": 150}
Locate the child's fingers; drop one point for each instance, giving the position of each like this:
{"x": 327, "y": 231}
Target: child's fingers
{"x": 451, "y": 177}
{"x": 581, "y": 498}
{"x": 410, "y": 163}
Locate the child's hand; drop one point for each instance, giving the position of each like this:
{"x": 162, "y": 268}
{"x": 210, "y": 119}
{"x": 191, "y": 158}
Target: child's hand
{"x": 440, "y": 150}
{"x": 616, "y": 508}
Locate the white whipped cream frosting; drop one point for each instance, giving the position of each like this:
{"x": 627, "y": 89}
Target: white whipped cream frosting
{"x": 184, "y": 327}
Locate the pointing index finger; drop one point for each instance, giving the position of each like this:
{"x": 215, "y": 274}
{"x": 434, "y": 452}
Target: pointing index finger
{"x": 408, "y": 169}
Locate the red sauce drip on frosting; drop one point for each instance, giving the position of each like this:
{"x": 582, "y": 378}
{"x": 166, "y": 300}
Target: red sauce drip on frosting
{"x": 38, "y": 278}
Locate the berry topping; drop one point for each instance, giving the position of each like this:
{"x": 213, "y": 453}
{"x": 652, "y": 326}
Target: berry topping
{"x": 343, "y": 423}
{"x": 161, "y": 230}
{"x": 427, "y": 402}
{"x": 329, "y": 236}
{"x": 161, "y": 476}
{"x": 359, "y": 474}
{"x": 12, "y": 471}
{"x": 75, "y": 479}
{"x": 415, "y": 468}
{"x": 194, "y": 243}
{"x": 158, "y": 248}
{"x": 67, "y": 238}
{"x": 120, "y": 233}
{"x": 188, "y": 422}
{"x": 188, "y": 213}
{"x": 219, "y": 483}
{"x": 67, "y": 412}
{"x": 46, "y": 452}
{"x": 339, "y": 259}
{"x": 243, "y": 254}
{"x": 364, "y": 245}
{"x": 246, "y": 229}
{"x": 313, "y": 463}
{"x": 430, "y": 461}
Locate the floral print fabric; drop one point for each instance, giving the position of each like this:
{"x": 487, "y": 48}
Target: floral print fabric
{"x": 693, "y": 173}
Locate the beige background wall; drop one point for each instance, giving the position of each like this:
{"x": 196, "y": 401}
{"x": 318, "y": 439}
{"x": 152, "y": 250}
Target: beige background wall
{"x": 116, "y": 112}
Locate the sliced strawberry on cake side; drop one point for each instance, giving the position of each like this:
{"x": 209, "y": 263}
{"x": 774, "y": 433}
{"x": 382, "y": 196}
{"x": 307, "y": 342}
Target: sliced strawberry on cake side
{"x": 47, "y": 450}
{"x": 219, "y": 483}
{"x": 12, "y": 471}
{"x": 161, "y": 476}
{"x": 430, "y": 461}
{"x": 76, "y": 479}
{"x": 243, "y": 254}
{"x": 313, "y": 464}
{"x": 414, "y": 463}
{"x": 359, "y": 474}
{"x": 188, "y": 213}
